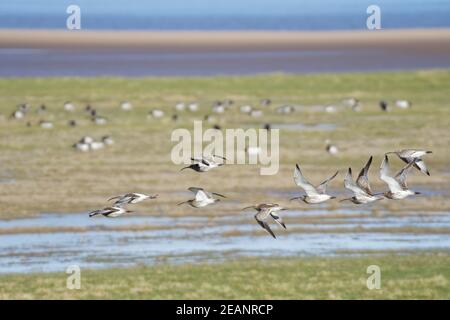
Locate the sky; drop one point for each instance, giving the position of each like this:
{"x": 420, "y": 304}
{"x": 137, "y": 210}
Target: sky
{"x": 300, "y": 14}
{"x": 228, "y": 7}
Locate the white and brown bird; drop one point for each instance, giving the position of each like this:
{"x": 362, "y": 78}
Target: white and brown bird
{"x": 202, "y": 198}
{"x": 126, "y": 106}
{"x": 413, "y": 155}
{"x": 110, "y": 212}
{"x": 331, "y": 148}
{"x": 131, "y": 198}
{"x": 314, "y": 194}
{"x": 398, "y": 188}
{"x": 361, "y": 189}
{"x": 205, "y": 163}
{"x": 403, "y": 104}
{"x": 266, "y": 210}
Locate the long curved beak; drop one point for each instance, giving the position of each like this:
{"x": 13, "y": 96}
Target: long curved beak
{"x": 182, "y": 203}
{"x": 295, "y": 198}
{"x": 251, "y": 207}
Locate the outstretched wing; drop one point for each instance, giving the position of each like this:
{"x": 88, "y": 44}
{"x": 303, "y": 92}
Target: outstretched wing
{"x": 393, "y": 184}
{"x": 195, "y": 189}
{"x": 277, "y": 219}
{"x": 203, "y": 161}
{"x": 322, "y": 188}
{"x": 218, "y": 194}
{"x": 303, "y": 183}
{"x": 363, "y": 179}
{"x": 402, "y": 174}
{"x": 349, "y": 184}
{"x": 265, "y": 226}
{"x": 419, "y": 164}
{"x": 200, "y": 193}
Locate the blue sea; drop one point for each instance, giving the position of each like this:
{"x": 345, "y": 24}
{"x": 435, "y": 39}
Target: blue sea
{"x": 224, "y": 15}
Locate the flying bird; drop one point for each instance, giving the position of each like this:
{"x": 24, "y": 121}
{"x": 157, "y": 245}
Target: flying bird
{"x": 204, "y": 164}
{"x": 202, "y": 198}
{"x": 266, "y": 210}
{"x": 415, "y": 156}
{"x": 361, "y": 189}
{"x": 110, "y": 212}
{"x": 131, "y": 198}
{"x": 398, "y": 188}
{"x": 314, "y": 194}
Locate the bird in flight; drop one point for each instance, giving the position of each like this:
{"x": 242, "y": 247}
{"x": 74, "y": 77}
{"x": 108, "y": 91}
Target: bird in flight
{"x": 202, "y": 198}
{"x": 313, "y": 194}
{"x": 110, "y": 212}
{"x": 131, "y": 198}
{"x": 361, "y": 189}
{"x": 413, "y": 155}
{"x": 205, "y": 163}
{"x": 266, "y": 210}
{"x": 398, "y": 188}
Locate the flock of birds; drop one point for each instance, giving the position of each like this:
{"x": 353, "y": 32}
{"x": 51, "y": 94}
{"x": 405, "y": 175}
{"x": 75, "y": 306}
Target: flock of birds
{"x": 362, "y": 192}
{"x": 87, "y": 143}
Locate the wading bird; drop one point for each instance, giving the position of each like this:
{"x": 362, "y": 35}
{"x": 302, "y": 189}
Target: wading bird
{"x": 362, "y": 192}
{"x": 110, "y": 212}
{"x": 313, "y": 195}
{"x": 384, "y": 105}
{"x": 264, "y": 211}
{"x": 403, "y": 104}
{"x": 413, "y": 155}
{"x": 131, "y": 198}
{"x": 397, "y": 185}
{"x": 202, "y": 198}
{"x": 331, "y": 148}
{"x": 204, "y": 164}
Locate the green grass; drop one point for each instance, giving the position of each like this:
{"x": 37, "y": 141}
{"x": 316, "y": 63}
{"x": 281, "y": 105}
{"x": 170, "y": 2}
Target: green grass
{"x": 402, "y": 277}
{"x": 46, "y": 169}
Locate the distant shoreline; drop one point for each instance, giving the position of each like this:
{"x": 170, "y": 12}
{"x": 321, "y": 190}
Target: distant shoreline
{"x": 189, "y": 53}
{"x": 223, "y": 39}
